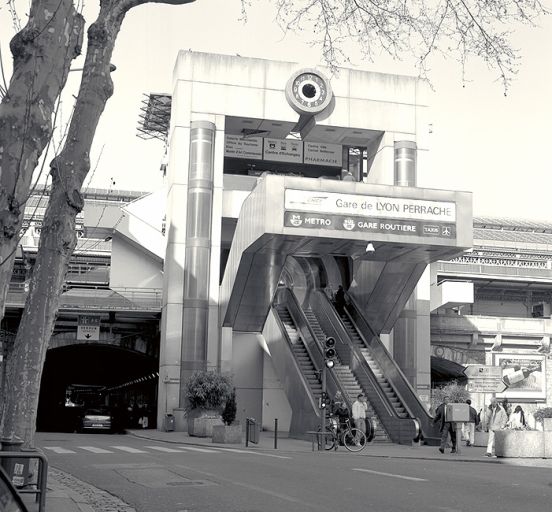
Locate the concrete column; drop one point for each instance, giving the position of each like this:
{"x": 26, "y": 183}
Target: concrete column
{"x": 195, "y": 305}
{"x": 411, "y": 334}
{"x": 405, "y": 163}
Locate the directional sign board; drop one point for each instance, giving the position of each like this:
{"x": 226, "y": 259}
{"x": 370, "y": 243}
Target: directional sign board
{"x": 484, "y": 379}
{"x": 88, "y": 328}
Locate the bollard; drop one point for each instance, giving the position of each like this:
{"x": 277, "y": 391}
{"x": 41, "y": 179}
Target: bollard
{"x": 246, "y": 432}
{"x": 275, "y": 433}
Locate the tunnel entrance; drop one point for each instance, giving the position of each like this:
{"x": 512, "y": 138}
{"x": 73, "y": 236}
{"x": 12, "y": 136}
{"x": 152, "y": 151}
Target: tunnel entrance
{"x": 80, "y": 377}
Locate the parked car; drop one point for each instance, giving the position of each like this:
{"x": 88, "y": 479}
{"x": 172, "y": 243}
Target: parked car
{"x": 97, "y": 418}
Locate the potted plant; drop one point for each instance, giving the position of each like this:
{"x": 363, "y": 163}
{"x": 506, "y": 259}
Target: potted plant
{"x": 207, "y": 392}
{"x": 231, "y": 431}
{"x": 544, "y": 416}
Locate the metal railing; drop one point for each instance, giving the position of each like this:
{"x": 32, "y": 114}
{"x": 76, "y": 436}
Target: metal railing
{"x": 124, "y": 299}
{"x": 16, "y": 465}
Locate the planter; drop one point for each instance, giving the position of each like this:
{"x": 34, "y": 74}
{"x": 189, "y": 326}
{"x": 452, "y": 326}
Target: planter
{"x": 547, "y": 424}
{"x": 523, "y": 443}
{"x": 202, "y": 421}
{"x": 481, "y": 438}
{"x": 227, "y": 434}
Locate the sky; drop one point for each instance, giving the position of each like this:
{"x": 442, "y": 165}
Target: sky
{"x": 482, "y": 141}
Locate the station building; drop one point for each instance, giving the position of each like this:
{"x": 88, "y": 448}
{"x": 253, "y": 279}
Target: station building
{"x": 283, "y": 185}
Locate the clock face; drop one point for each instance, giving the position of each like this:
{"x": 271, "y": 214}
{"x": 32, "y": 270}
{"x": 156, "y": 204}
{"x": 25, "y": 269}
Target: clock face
{"x": 308, "y": 92}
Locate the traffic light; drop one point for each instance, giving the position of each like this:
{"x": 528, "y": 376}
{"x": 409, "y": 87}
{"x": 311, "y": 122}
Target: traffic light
{"x": 324, "y": 400}
{"x": 329, "y": 352}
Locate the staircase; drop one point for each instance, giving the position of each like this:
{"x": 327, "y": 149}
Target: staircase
{"x": 346, "y": 378}
{"x": 374, "y": 367}
{"x": 300, "y": 352}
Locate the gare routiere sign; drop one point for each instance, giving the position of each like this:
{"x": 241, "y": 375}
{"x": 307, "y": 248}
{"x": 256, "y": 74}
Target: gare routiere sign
{"x": 370, "y": 214}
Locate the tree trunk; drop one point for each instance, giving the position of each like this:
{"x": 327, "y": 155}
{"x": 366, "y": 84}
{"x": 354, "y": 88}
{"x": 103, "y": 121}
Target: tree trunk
{"x": 57, "y": 237}
{"x": 42, "y": 54}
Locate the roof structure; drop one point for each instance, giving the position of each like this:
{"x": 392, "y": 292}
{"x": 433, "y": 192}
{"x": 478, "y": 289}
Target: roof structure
{"x": 155, "y": 116}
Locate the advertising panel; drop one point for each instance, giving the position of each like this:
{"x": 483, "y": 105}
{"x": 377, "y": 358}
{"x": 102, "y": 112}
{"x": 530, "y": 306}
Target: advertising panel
{"x": 243, "y": 147}
{"x": 525, "y": 375}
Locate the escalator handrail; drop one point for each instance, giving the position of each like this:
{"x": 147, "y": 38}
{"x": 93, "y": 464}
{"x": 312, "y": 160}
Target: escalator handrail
{"x": 340, "y": 333}
{"x": 384, "y": 359}
{"x": 317, "y": 360}
{"x": 395, "y": 368}
{"x": 297, "y": 367}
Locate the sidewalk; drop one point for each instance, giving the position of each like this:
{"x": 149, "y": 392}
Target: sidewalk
{"x": 384, "y": 450}
{"x": 66, "y": 493}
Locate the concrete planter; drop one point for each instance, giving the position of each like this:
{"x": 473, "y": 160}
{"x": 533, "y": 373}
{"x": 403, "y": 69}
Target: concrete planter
{"x": 481, "y": 438}
{"x": 202, "y": 421}
{"x": 547, "y": 424}
{"x": 227, "y": 434}
{"x": 523, "y": 443}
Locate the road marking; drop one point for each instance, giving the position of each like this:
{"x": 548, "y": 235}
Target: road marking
{"x": 59, "y": 449}
{"x": 202, "y": 450}
{"x": 414, "y": 479}
{"x": 235, "y": 450}
{"x": 93, "y": 449}
{"x": 128, "y": 449}
{"x": 164, "y": 449}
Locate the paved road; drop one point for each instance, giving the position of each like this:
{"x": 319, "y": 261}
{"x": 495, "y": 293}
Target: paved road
{"x": 153, "y": 476}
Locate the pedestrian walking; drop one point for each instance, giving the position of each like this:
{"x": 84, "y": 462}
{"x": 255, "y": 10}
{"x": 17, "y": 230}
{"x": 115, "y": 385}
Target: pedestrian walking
{"x": 469, "y": 427}
{"x": 496, "y": 419}
{"x": 445, "y": 427}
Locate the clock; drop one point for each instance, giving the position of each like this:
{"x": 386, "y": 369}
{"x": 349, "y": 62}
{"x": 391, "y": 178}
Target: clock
{"x": 308, "y": 92}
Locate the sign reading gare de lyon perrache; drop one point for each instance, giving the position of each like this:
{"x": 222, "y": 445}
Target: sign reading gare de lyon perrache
{"x": 370, "y": 214}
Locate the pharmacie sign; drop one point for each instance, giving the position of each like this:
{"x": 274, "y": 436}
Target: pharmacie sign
{"x": 371, "y": 214}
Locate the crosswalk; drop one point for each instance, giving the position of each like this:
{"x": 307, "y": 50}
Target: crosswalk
{"x": 151, "y": 449}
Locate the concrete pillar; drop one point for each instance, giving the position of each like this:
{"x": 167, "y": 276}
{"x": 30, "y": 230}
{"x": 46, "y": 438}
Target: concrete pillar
{"x": 411, "y": 333}
{"x": 405, "y": 163}
{"x": 195, "y": 305}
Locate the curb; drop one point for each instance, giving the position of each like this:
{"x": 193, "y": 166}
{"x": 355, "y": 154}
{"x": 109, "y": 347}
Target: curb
{"x": 484, "y": 460}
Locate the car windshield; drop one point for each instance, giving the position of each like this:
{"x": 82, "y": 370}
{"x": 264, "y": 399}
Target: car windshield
{"x": 96, "y": 412}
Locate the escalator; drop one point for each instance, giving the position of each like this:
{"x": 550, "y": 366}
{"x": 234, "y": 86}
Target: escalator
{"x": 299, "y": 360}
{"x": 396, "y": 402}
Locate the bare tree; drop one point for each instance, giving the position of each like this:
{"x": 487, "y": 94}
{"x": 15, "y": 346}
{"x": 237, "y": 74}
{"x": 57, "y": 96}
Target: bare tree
{"x": 42, "y": 54}
{"x": 457, "y": 29}
{"x": 58, "y": 237}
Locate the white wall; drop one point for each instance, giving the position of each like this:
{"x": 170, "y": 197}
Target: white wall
{"x": 132, "y": 267}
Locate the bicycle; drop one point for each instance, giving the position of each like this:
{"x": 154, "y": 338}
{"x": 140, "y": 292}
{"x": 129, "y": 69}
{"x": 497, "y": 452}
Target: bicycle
{"x": 354, "y": 439}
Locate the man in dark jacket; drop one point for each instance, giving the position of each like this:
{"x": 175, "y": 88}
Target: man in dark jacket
{"x": 445, "y": 427}
{"x": 469, "y": 427}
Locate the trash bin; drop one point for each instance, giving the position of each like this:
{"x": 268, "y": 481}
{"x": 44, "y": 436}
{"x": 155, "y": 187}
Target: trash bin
{"x": 168, "y": 423}
{"x": 17, "y": 469}
{"x": 253, "y": 430}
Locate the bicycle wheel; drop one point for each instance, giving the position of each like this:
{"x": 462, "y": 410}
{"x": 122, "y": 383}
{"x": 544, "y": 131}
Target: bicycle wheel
{"x": 354, "y": 439}
{"x": 370, "y": 430}
{"x": 328, "y": 441}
